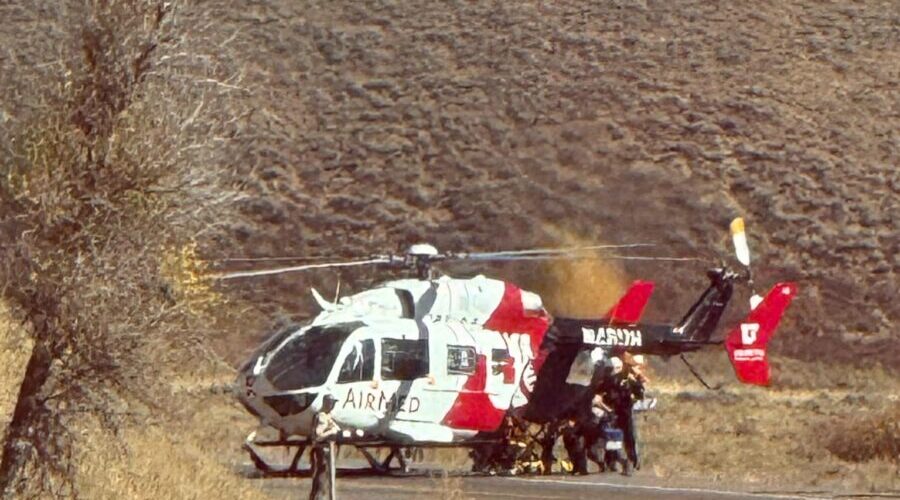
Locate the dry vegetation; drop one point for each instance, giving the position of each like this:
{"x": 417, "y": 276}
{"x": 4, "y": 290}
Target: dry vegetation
{"x": 811, "y": 432}
{"x": 486, "y": 124}
{"x": 137, "y": 137}
{"x": 106, "y": 181}
{"x": 190, "y": 452}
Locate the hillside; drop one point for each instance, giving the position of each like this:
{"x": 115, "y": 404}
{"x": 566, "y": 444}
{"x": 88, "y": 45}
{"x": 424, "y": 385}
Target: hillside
{"x": 482, "y": 125}
{"x": 362, "y": 127}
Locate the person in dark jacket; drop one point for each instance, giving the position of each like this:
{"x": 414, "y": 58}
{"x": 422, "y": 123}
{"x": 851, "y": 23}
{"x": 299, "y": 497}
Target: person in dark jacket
{"x": 325, "y": 431}
{"x": 602, "y": 439}
{"x": 573, "y": 440}
{"x": 627, "y": 387}
{"x": 603, "y": 436}
{"x": 547, "y": 441}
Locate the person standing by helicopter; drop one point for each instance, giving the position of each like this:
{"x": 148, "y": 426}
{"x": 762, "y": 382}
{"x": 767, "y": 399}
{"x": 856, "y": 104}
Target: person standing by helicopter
{"x": 636, "y": 382}
{"x": 325, "y": 430}
{"x": 625, "y": 388}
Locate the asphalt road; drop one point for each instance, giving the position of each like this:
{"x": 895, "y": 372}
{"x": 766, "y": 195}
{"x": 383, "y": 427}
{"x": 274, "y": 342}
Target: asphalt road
{"x": 428, "y": 484}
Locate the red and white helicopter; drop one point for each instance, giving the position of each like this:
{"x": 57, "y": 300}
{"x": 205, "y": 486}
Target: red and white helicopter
{"x": 441, "y": 361}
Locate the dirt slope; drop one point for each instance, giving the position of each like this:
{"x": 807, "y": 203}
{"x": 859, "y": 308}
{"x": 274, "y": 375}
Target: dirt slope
{"x": 490, "y": 125}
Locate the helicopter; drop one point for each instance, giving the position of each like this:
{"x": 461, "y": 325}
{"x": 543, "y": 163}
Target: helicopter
{"x": 440, "y": 362}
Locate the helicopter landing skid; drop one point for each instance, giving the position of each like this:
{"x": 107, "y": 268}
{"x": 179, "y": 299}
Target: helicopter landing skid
{"x": 250, "y": 445}
{"x": 384, "y": 466}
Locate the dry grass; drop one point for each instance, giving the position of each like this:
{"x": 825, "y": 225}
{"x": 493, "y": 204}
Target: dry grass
{"x": 191, "y": 453}
{"x": 154, "y": 462}
{"x": 837, "y": 436}
{"x": 868, "y": 437}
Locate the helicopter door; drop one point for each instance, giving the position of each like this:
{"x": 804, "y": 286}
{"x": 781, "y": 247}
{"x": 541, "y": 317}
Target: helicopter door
{"x": 453, "y": 362}
{"x": 405, "y": 371}
{"x": 354, "y": 383}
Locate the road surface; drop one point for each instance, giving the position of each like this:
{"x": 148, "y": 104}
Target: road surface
{"x": 431, "y": 484}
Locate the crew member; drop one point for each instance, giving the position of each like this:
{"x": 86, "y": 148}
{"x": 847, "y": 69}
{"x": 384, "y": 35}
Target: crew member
{"x": 325, "y": 430}
{"x": 580, "y": 430}
{"x": 547, "y": 442}
{"x": 573, "y": 440}
{"x": 631, "y": 388}
{"x": 603, "y": 439}
{"x": 594, "y": 432}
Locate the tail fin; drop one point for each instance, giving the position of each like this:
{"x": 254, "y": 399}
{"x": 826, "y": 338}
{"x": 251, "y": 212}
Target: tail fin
{"x": 703, "y": 317}
{"x": 631, "y": 306}
{"x": 746, "y": 344}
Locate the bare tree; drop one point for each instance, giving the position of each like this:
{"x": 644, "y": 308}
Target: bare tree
{"x": 120, "y": 165}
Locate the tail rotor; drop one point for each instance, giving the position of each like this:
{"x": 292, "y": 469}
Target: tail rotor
{"x": 742, "y": 252}
{"x": 747, "y": 342}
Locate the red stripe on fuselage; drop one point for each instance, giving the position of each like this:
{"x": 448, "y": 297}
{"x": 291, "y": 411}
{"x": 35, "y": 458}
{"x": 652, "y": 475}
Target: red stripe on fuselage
{"x": 473, "y": 409}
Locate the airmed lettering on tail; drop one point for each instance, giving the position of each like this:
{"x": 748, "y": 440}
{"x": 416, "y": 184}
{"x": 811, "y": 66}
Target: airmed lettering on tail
{"x": 609, "y": 336}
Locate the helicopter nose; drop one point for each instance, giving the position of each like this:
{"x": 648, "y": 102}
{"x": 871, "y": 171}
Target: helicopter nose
{"x": 246, "y": 393}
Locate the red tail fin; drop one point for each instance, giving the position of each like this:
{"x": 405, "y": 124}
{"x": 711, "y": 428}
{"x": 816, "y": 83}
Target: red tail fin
{"x": 631, "y": 305}
{"x": 746, "y": 344}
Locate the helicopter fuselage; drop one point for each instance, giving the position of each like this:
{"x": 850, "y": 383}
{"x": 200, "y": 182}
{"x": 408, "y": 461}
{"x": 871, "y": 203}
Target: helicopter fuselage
{"x": 440, "y": 361}
{"x": 414, "y": 360}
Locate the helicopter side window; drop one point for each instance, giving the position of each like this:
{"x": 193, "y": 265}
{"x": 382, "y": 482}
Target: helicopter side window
{"x": 460, "y": 359}
{"x": 403, "y": 359}
{"x": 407, "y": 303}
{"x": 359, "y": 365}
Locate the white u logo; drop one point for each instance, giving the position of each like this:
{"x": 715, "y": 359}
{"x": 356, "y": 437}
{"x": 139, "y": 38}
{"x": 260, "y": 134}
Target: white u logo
{"x": 748, "y": 333}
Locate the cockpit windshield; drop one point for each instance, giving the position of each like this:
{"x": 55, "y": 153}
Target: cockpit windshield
{"x": 306, "y": 359}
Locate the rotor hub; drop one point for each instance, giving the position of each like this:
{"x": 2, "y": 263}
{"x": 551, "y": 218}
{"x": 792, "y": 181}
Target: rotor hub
{"x": 422, "y": 250}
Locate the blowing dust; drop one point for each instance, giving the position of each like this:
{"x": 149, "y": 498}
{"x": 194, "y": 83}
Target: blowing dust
{"x": 584, "y": 287}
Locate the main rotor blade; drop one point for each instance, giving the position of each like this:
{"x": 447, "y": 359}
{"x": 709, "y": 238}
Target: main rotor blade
{"x": 650, "y": 257}
{"x": 324, "y": 265}
{"x": 577, "y": 256}
{"x": 272, "y": 259}
{"x": 540, "y": 252}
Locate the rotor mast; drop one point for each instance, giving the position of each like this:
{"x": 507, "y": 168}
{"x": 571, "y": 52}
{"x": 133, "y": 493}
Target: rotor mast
{"x": 419, "y": 257}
